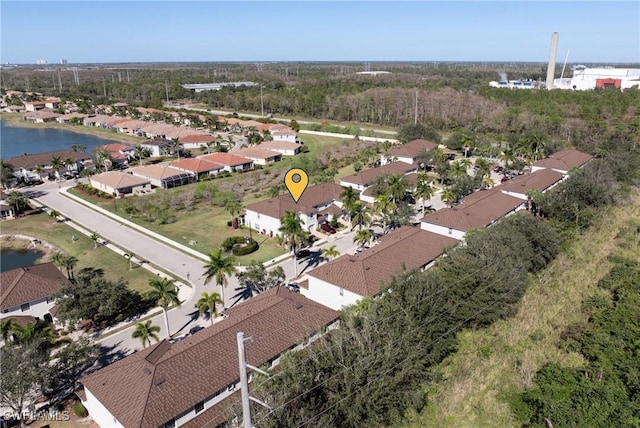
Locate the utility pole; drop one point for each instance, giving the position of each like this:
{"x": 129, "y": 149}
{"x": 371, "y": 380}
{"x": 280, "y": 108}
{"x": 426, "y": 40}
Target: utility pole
{"x": 59, "y": 81}
{"x": 166, "y": 89}
{"x": 244, "y": 382}
{"x": 415, "y": 117}
{"x": 261, "y": 101}
{"x": 104, "y": 88}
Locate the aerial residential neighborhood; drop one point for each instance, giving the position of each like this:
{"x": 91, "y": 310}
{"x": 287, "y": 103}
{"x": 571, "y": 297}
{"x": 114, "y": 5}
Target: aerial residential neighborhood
{"x": 319, "y": 215}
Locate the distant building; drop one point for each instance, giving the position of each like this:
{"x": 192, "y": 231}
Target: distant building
{"x": 199, "y": 87}
{"x": 600, "y": 78}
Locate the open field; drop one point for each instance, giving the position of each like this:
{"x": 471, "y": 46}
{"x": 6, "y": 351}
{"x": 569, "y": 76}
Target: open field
{"x": 494, "y": 363}
{"x": 40, "y": 226}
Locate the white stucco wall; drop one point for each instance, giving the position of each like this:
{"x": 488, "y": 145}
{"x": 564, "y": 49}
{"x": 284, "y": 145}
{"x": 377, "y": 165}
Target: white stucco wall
{"x": 260, "y": 221}
{"x": 328, "y": 294}
{"x": 37, "y": 308}
{"x": 441, "y": 230}
{"x": 99, "y": 413}
{"x": 354, "y": 186}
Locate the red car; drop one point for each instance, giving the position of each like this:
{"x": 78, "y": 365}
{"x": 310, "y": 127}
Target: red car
{"x": 327, "y": 228}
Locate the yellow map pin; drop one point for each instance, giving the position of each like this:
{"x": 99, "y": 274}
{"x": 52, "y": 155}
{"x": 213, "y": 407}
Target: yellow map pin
{"x": 296, "y": 181}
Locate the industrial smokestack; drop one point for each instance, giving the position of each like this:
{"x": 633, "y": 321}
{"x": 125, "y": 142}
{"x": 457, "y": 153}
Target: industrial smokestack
{"x": 551, "y": 70}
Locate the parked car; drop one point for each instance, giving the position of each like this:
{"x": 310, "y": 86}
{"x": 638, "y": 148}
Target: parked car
{"x": 293, "y": 286}
{"x": 498, "y": 169}
{"x": 408, "y": 198}
{"x": 177, "y": 339}
{"x": 327, "y": 228}
{"x": 301, "y": 254}
{"x": 195, "y": 329}
{"x": 504, "y": 179}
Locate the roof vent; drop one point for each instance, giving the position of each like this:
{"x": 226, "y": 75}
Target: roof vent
{"x": 147, "y": 370}
{"x": 158, "y": 381}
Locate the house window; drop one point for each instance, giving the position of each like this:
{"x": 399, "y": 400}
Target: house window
{"x": 170, "y": 424}
{"x": 24, "y": 307}
{"x": 341, "y": 291}
{"x": 199, "y": 407}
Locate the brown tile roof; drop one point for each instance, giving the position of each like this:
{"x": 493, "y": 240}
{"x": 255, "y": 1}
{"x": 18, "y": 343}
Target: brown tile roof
{"x": 367, "y": 176}
{"x": 119, "y": 180}
{"x": 367, "y": 272}
{"x": 44, "y": 159}
{"x": 154, "y": 385}
{"x": 117, "y": 147}
{"x": 196, "y": 165}
{"x": 412, "y": 149}
{"x": 41, "y": 115}
{"x": 539, "y": 180}
{"x": 313, "y": 197}
{"x": 158, "y": 171}
{"x": 476, "y": 211}
{"x": 26, "y": 284}
{"x": 23, "y": 320}
{"x": 258, "y": 153}
{"x": 227, "y": 159}
{"x": 564, "y": 160}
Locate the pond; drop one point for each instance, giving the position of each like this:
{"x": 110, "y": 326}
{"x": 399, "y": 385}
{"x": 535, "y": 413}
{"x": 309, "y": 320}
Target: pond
{"x": 11, "y": 259}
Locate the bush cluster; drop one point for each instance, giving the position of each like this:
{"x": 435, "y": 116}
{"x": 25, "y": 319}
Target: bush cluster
{"x": 90, "y": 190}
{"x": 243, "y": 250}
{"x": 370, "y": 371}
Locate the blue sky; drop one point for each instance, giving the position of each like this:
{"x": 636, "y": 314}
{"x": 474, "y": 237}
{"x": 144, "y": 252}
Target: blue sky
{"x": 127, "y": 31}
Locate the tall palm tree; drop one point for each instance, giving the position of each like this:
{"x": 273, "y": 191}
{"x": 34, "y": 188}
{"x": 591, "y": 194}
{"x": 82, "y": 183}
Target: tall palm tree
{"x": 233, "y": 206}
{"x": 360, "y": 216}
{"x": 508, "y": 157}
{"x": 129, "y": 256}
{"x": 207, "y": 303}
{"x": 448, "y": 197}
{"x": 69, "y": 263}
{"x": 423, "y": 190}
{"x": 56, "y": 165}
{"x": 330, "y": 253}
{"x": 397, "y": 187}
{"x": 165, "y": 292}
{"x": 362, "y": 237}
{"x": 38, "y": 169}
{"x": 292, "y": 234}
{"x": 348, "y": 198}
{"x": 68, "y": 163}
{"x": 458, "y": 170}
{"x": 140, "y": 152}
{"x": 95, "y": 238}
{"x": 18, "y": 200}
{"x": 219, "y": 267}
{"x": 484, "y": 167}
{"x": 383, "y": 206}
{"x": 145, "y": 332}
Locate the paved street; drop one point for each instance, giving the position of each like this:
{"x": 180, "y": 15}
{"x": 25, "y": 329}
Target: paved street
{"x": 182, "y": 265}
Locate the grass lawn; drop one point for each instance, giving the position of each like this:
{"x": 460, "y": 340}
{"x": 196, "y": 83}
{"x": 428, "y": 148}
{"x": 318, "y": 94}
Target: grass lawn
{"x": 40, "y": 226}
{"x": 493, "y": 363}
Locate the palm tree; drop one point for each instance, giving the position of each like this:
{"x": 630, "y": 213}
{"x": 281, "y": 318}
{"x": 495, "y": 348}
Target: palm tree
{"x": 69, "y": 263}
{"x": 348, "y": 198}
{"x": 382, "y": 206}
{"x": 448, "y": 197}
{"x": 423, "y": 190}
{"x": 330, "y": 253}
{"x": 68, "y": 163}
{"x": 129, "y": 256}
{"x": 38, "y": 169}
{"x": 458, "y": 170}
{"x": 175, "y": 146}
{"x": 38, "y": 331}
{"x": 95, "y": 238}
{"x": 56, "y": 166}
{"x": 508, "y": 157}
{"x": 397, "y": 187}
{"x": 219, "y": 267}
{"x": 207, "y": 303}
{"x": 362, "y": 237}
{"x": 360, "y": 216}
{"x": 145, "y": 332}
{"x": 292, "y": 234}
{"x": 165, "y": 292}
{"x": 79, "y": 148}
{"x": 140, "y": 152}
{"x": 17, "y": 199}
{"x": 484, "y": 167}
{"x": 233, "y": 206}
{"x": 54, "y": 215}
{"x": 487, "y": 182}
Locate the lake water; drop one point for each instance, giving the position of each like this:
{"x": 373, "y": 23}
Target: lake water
{"x": 11, "y": 259}
{"x": 15, "y": 141}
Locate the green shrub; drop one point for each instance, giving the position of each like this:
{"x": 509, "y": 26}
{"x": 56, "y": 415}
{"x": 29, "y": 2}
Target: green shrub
{"x": 249, "y": 248}
{"x": 79, "y": 410}
{"x": 230, "y": 242}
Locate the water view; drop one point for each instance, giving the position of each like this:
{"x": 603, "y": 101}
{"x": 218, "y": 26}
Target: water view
{"x": 15, "y": 141}
{"x": 11, "y": 259}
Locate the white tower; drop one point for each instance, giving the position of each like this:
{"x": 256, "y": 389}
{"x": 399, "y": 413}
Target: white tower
{"x": 552, "y": 60}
